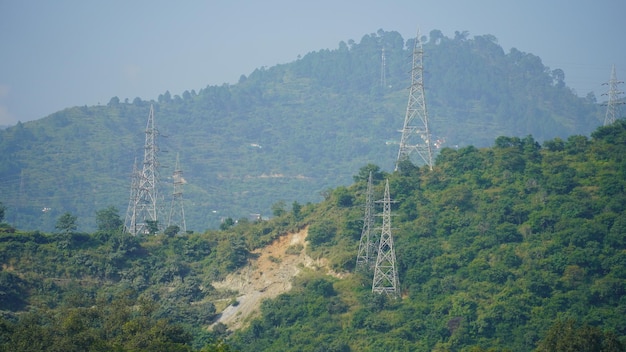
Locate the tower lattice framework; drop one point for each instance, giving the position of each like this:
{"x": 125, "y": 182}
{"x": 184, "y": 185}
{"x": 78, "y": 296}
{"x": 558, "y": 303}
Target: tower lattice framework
{"x": 143, "y": 205}
{"x": 416, "y": 136}
{"x": 367, "y": 245}
{"x": 177, "y": 210}
{"x": 383, "y": 69}
{"x": 385, "y": 273}
{"x": 130, "y": 222}
{"x": 612, "y": 105}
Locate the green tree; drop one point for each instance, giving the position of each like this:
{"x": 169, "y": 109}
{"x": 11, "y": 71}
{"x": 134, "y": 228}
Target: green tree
{"x": 2, "y": 210}
{"x": 11, "y": 291}
{"x": 108, "y": 219}
{"x": 153, "y": 226}
{"x": 296, "y": 208}
{"x": 321, "y": 232}
{"x": 364, "y": 173}
{"x": 219, "y": 346}
{"x": 66, "y": 223}
{"x": 343, "y": 197}
{"x": 567, "y": 336}
{"x": 554, "y": 145}
{"x": 227, "y": 223}
{"x": 232, "y": 254}
{"x": 171, "y": 231}
{"x": 115, "y": 101}
{"x": 278, "y": 208}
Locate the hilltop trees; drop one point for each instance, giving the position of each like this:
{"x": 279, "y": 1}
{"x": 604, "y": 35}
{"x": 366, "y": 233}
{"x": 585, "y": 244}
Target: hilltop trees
{"x": 108, "y": 220}
{"x": 66, "y": 223}
{"x": 494, "y": 246}
{"x": 3, "y": 226}
{"x": 288, "y": 131}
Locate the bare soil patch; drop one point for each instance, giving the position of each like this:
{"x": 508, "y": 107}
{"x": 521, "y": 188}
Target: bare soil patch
{"x": 265, "y": 277}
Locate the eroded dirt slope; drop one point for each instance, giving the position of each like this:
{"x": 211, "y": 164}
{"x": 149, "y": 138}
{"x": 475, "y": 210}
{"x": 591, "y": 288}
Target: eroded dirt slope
{"x": 265, "y": 277}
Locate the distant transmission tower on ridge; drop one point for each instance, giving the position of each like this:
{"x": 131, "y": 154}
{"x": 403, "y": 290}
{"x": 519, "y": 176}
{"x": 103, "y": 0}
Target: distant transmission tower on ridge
{"x": 385, "y": 273}
{"x": 143, "y": 205}
{"x": 177, "y": 210}
{"x": 612, "y": 106}
{"x": 415, "y": 132}
{"x": 367, "y": 245}
{"x": 383, "y": 69}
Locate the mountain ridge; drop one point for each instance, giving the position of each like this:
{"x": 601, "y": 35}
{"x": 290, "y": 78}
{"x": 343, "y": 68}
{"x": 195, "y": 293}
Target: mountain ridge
{"x": 322, "y": 116}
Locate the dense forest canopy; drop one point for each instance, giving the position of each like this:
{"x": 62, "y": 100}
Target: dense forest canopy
{"x": 517, "y": 247}
{"x": 285, "y": 133}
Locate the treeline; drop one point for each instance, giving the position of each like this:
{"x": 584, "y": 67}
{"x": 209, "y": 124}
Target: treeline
{"x": 73, "y": 291}
{"x": 283, "y": 133}
{"x": 516, "y": 247}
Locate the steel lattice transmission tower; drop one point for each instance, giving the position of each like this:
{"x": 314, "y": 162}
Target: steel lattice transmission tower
{"x": 177, "y": 210}
{"x": 385, "y": 273}
{"x": 143, "y": 207}
{"x": 415, "y": 132}
{"x": 612, "y": 106}
{"x": 367, "y": 245}
{"x": 383, "y": 70}
{"x": 131, "y": 213}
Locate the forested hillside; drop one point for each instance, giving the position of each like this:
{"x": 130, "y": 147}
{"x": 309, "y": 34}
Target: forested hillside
{"x": 284, "y": 133}
{"x": 517, "y": 247}
{"x": 514, "y": 247}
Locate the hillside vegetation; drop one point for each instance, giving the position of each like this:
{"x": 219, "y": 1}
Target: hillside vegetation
{"x": 520, "y": 246}
{"x": 284, "y": 133}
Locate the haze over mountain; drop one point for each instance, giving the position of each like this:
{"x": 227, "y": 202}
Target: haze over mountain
{"x": 285, "y": 133}
{"x": 68, "y": 53}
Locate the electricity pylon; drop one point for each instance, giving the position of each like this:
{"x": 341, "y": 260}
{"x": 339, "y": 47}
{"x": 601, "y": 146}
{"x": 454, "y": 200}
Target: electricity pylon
{"x": 144, "y": 189}
{"x": 130, "y": 223}
{"x": 612, "y": 106}
{"x": 367, "y": 245}
{"x": 385, "y": 273}
{"x": 177, "y": 211}
{"x": 415, "y": 132}
{"x": 383, "y": 70}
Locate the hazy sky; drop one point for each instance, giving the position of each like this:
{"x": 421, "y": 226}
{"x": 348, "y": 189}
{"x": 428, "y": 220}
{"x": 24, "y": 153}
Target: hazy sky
{"x": 63, "y": 53}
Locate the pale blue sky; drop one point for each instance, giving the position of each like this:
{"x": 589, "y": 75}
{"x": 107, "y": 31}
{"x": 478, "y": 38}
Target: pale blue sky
{"x": 63, "y": 53}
